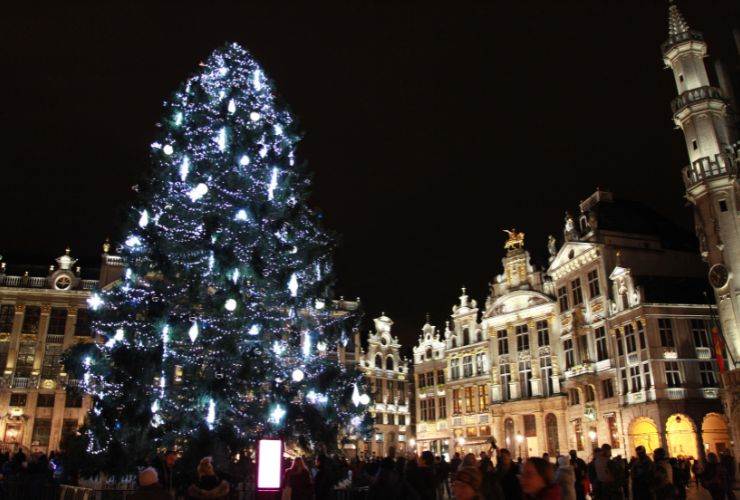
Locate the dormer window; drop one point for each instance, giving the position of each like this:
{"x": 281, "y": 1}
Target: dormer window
{"x": 429, "y": 353}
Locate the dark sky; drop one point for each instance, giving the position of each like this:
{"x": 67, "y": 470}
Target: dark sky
{"x": 429, "y": 129}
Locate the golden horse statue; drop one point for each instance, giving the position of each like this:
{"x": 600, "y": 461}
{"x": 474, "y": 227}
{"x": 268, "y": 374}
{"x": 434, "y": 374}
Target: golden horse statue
{"x": 516, "y": 239}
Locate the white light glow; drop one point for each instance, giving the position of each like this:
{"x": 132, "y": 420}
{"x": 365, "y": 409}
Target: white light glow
{"x": 133, "y": 241}
{"x": 255, "y": 329}
{"x": 278, "y": 347}
{"x": 144, "y": 219}
{"x": 293, "y": 285}
{"x": 278, "y": 130}
{"x": 355, "y": 395}
{"x": 194, "y": 331}
{"x": 119, "y": 335}
{"x": 94, "y": 301}
{"x": 269, "y": 464}
{"x": 184, "y": 168}
{"x": 198, "y": 192}
{"x": 221, "y": 139}
{"x": 257, "y": 81}
{"x": 254, "y": 116}
{"x": 321, "y": 346}
{"x": 297, "y": 375}
{"x": 241, "y": 215}
{"x": 364, "y": 399}
{"x": 232, "y": 106}
{"x": 277, "y": 414}
{"x": 230, "y": 305}
{"x": 223, "y": 71}
{"x": 235, "y": 276}
{"x": 244, "y": 160}
{"x": 307, "y": 344}
{"x": 320, "y": 304}
{"x": 167, "y": 149}
{"x": 211, "y": 415}
{"x": 178, "y": 118}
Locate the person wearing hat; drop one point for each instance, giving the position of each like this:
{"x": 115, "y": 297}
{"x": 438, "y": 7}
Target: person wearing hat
{"x": 149, "y": 487}
{"x": 466, "y": 484}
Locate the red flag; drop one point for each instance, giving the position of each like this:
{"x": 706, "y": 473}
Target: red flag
{"x": 718, "y": 348}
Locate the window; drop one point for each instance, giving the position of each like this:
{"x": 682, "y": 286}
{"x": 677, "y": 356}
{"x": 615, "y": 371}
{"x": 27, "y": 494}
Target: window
{"x": 45, "y": 401}
{"x": 401, "y": 392}
{"x": 636, "y": 380}
{"x": 525, "y": 379}
{"x": 83, "y": 326}
{"x": 530, "y": 427}
{"x": 607, "y": 387}
{"x": 389, "y": 363}
{"x": 573, "y": 397}
{"x": 485, "y": 430}
{"x": 620, "y": 346}
{"x": 723, "y": 205}
{"x": 694, "y": 144}
{"x": 422, "y": 381}
{"x": 378, "y": 361}
{"x": 7, "y": 314}
{"x": 672, "y": 374}
{"x": 563, "y": 298}
{"x": 455, "y": 368}
{"x": 482, "y": 397}
{"x": 69, "y": 426}
{"x": 665, "y": 329}
{"x": 543, "y": 334}
{"x": 641, "y": 334}
{"x": 629, "y": 338}
{"x": 602, "y": 352}
{"x": 503, "y": 342}
{"x": 546, "y": 374}
{"x": 466, "y": 336}
{"x": 456, "y": 402}
{"x": 52, "y": 361}
{"x": 57, "y": 321}
{"x": 41, "y": 431}
{"x": 391, "y": 386}
{"x": 625, "y": 380}
{"x": 26, "y": 355}
{"x": 647, "y": 375}
{"x": 469, "y": 400}
{"x": 442, "y": 407}
{"x": 576, "y": 292}
{"x": 570, "y": 359}
{"x": 505, "y": 379}
{"x": 480, "y": 363}
{"x": 467, "y": 366}
{"x": 31, "y": 319}
{"x": 593, "y": 284}
{"x": 479, "y": 336}
{"x": 707, "y": 374}
{"x": 578, "y": 431}
{"x": 431, "y": 414}
{"x": 429, "y": 353}
{"x": 401, "y": 421}
{"x": 700, "y": 333}
{"x": 430, "y": 379}
{"x": 590, "y": 394}
{"x": 18, "y": 399}
{"x": 74, "y": 398}
{"x": 440, "y": 377}
{"x": 611, "y": 423}
{"x": 522, "y": 338}
{"x": 4, "y": 348}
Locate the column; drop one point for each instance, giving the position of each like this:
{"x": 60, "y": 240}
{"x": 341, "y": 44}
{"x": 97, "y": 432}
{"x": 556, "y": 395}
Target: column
{"x": 520, "y": 449}
{"x": 15, "y": 338}
{"x": 57, "y": 420}
{"x": 69, "y": 328}
{"x": 497, "y": 431}
{"x": 539, "y": 420}
{"x": 563, "y": 431}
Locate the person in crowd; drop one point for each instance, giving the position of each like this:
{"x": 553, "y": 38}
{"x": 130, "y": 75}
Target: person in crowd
{"x": 387, "y": 485}
{"x": 565, "y": 476}
{"x": 507, "y": 473}
{"x": 209, "y": 485}
{"x": 663, "y": 484}
{"x": 324, "y": 479}
{"x": 423, "y": 479}
{"x": 469, "y": 460}
{"x": 538, "y": 480}
{"x": 546, "y": 457}
{"x": 466, "y": 484}
{"x": 443, "y": 475}
{"x": 609, "y": 474}
{"x": 580, "y": 475}
{"x": 298, "y": 479}
{"x": 697, "y": 468}
{"x": 149, "y": 487}
{"x": 455, "y": 462}
{"x": 713, "y": 478}
{"x": 727, "y": 463}
{"x": 642, "y": 472}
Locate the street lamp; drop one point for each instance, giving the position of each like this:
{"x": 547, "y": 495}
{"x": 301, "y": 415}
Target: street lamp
{"x": 519, "y": 440}
{"x": 592, "y": 437}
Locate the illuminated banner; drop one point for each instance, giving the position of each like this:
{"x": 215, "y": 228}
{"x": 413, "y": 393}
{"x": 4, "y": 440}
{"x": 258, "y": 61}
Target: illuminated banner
{"x": 269, "y": 464}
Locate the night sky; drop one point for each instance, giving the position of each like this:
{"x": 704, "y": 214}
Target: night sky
{"x": 429, "y": 130}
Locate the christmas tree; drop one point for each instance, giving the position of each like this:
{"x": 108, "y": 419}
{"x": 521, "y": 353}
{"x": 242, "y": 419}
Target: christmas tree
{"x": 222, "y": 329}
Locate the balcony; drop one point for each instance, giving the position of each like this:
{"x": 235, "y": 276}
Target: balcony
{"x": 55, "y": 339}
{"x": 675, "y": 393}
{"x": 695, "y": 95}
{"x": 710, "y": 392}
{"x": 685, "y": 36}
{"x": 585, "y": 368}
{"x": 21, "y": 383}
{"x": 708, "y": 168}
{"x": 703, "y": 353}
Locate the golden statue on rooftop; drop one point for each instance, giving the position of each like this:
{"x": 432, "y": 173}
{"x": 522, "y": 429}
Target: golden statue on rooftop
{"x": 516, "y": 239}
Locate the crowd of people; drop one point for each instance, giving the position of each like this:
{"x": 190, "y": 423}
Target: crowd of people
{"x": 492, "y": 475}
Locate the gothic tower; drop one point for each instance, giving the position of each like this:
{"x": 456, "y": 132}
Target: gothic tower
{"x": 700, "y": 111}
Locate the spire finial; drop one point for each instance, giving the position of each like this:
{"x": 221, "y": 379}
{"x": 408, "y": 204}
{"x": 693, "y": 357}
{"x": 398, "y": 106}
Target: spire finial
{"x": 67, "y": 250}
{"x": 676, "y": 23}
{"x": 428, "y": 318}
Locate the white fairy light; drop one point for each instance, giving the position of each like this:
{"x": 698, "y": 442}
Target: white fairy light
{"x": 184, "y": 168}
{"x": 297, "y": 375}
{"x": 128, "y": 273}
{"x": 133, "y": 241}
{"x": 355, "y": 395}
{"x": 278, "y": 130}
{"x": 198, "y": 192}
{"x": 94, "y": 301}
{"x": 244, "y": 160}
{"x": 230, "y": 305}
{"x": 293, "y": 285}
{"x": 168, "y": 149}
{"x": 211, "y": 415}
{"x": 306, "y": 344}
{"x": 277, "y": 414}
{"x": 194, "y": 331}
{"x": 256, "y": 80}
{"x": 211, "y": 261}
{"x": 255, "y": 329}
{"x": 320, "y": 304}
{"x": 144, "y": 219}
{"x": 178, "y": 118}
{"x": 263, "y": 151}
{"x": 232, "y": 106}
{"x": 222, "y": 71}
{"x": 221, "y": 139}
{"x": 278, "y": 347}
{"x": 321, "y": 346}
{"x": 254, "y": 116}
{"x": 241, "y": 215}
{"x": 235, "y": 275}
{"x": 119, "y": 335}
{"x": 364, "y": 399}
{"x": 273, "y": 184}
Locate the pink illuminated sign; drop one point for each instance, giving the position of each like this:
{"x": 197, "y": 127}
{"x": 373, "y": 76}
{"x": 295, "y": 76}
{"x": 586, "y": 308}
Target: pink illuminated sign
{"x": 269, "y": 464}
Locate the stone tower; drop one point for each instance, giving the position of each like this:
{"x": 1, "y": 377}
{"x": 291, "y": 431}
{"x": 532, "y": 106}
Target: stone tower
{"x": 701, "y": 112}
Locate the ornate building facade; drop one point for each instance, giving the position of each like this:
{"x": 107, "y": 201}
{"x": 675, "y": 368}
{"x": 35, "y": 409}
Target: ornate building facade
{"x": 42, "y": 313}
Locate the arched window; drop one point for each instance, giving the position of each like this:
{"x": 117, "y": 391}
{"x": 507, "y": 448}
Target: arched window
{"x": 575, "y": 398}
{"x": 590, "y": 394}
{"x": 454, "y": 342}
{"x": 389, "y": 363}
{"x": 479, "y": 336}
{"x": 429, "y": 353}
{"x": 509, "y": 433}
{"x": 466, "y": 336}
{"x": 378, "y": 361}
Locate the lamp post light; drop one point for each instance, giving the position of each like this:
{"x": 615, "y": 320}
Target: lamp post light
{"x": 592, "y": 437}
{"x": 519, "y": 440}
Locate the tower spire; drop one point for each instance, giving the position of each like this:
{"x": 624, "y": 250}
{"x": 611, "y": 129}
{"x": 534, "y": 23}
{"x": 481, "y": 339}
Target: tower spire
{"x": 676, "y": 23}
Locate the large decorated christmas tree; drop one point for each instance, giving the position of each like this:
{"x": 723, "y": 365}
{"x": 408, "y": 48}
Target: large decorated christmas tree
{"x": 222, "y": 329}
